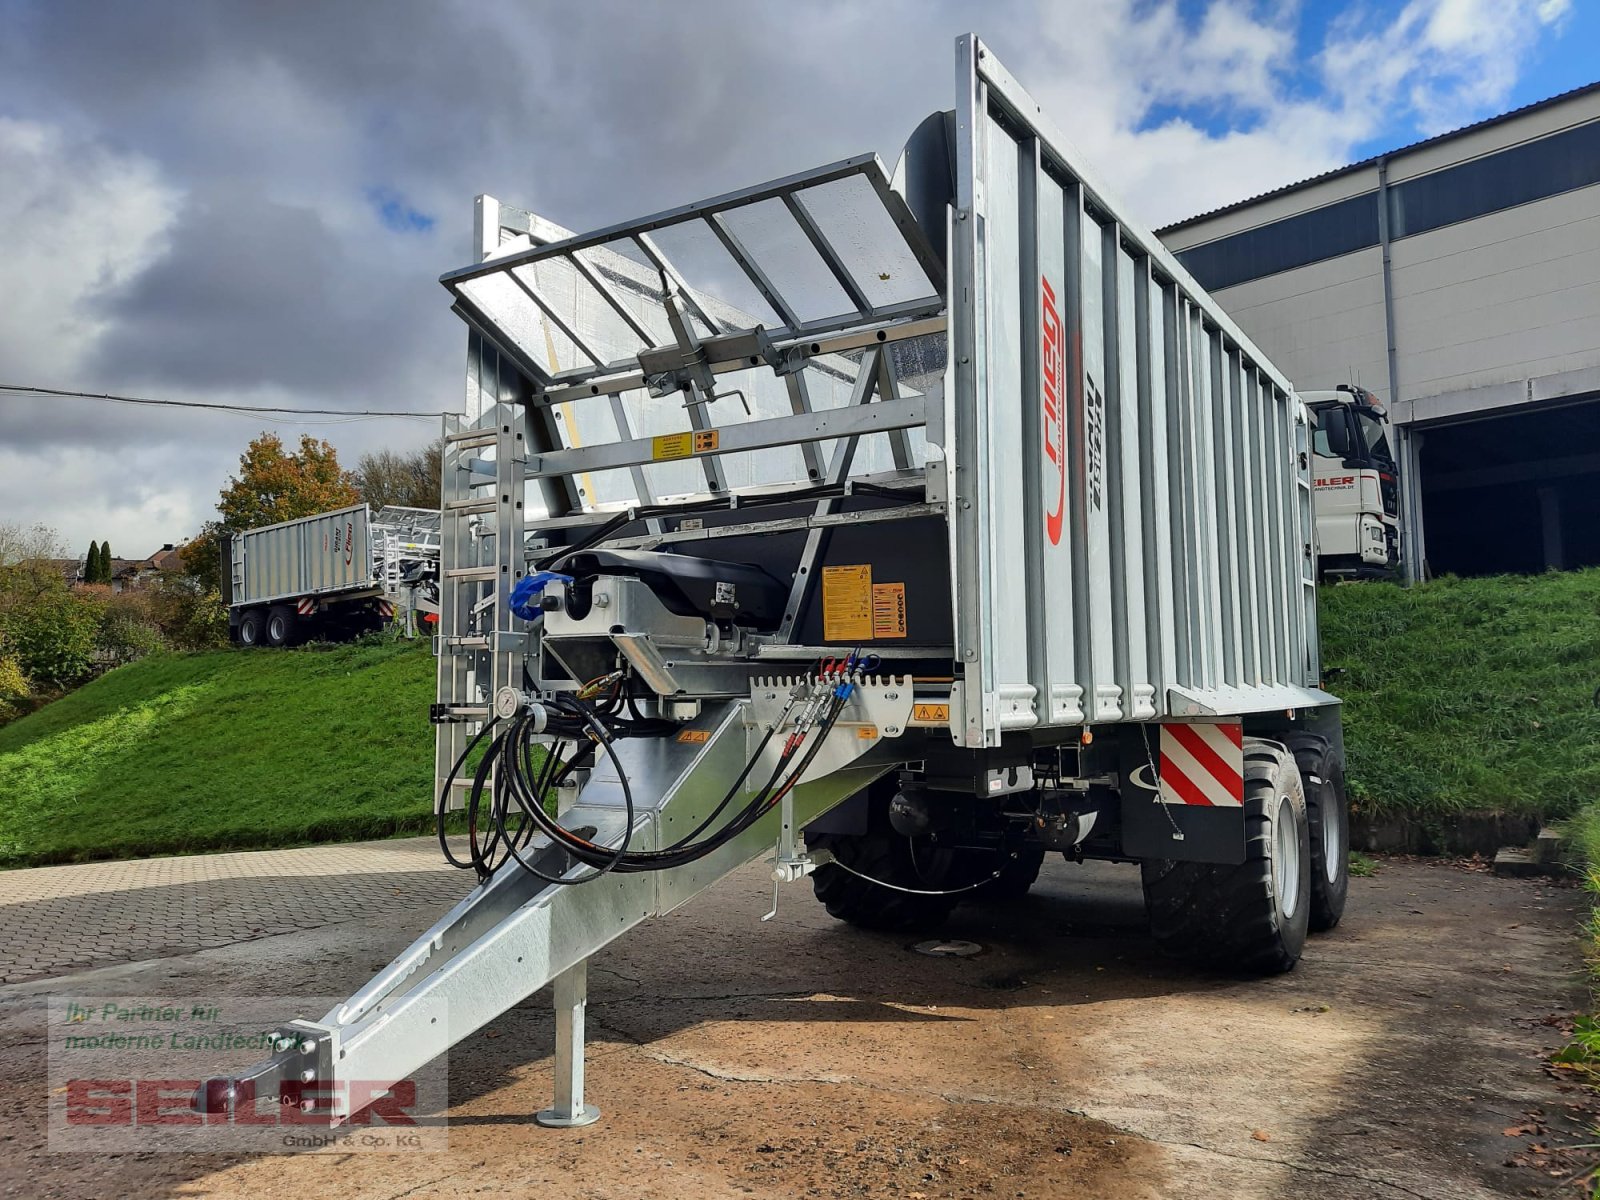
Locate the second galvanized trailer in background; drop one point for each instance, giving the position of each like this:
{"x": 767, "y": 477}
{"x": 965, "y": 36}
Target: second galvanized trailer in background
{"x": 331, "y": 575}
{"x": 905, "y": 527}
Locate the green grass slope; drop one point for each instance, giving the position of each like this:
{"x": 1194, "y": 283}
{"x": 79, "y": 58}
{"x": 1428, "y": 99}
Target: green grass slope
{"x": 222, "y": 750}
{"x": 1469, "y": 693}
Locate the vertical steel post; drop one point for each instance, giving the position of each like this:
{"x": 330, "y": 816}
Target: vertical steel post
{"x": 571, "y": 999}
{"x": 1413, "y": 520}
{"x": 1410, "y": 518}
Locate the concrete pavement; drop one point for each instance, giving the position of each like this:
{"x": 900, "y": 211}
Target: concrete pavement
{"x": 56, "y": 919}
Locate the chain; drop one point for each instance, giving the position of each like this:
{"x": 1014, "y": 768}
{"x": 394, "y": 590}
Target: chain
{"x": 1155, "y": 781}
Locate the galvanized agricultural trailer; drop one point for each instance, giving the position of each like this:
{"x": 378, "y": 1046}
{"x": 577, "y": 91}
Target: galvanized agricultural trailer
{"x": 331, "y": 575}
{"x": 903, "y": 529}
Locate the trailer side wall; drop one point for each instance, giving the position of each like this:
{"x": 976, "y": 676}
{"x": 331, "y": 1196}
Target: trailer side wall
{"x": 314, "y": 556}
{"x": 1150, "y": 558}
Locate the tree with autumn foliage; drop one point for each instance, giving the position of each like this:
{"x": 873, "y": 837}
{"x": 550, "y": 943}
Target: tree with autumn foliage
{"x": 273, "y": 484}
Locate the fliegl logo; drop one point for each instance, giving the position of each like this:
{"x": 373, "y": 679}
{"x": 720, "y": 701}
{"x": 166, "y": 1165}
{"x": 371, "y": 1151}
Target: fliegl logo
{"x": 1053, "y": 357}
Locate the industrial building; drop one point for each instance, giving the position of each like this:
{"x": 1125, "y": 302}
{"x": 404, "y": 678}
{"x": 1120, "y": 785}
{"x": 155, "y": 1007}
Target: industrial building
{"x": 1458, "y": 279}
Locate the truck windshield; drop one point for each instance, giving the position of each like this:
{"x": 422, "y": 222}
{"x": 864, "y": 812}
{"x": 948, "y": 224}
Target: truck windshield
{"x": 1374, "y": 432}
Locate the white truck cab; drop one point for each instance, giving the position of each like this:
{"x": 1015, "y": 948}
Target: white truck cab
{"x": 1356, "y": 485}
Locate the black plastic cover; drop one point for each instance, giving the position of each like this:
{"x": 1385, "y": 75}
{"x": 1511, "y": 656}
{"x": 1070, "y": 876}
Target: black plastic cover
{"x": 692, "y": 587}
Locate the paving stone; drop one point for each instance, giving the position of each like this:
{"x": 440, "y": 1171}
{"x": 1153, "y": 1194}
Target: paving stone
{"x": 1515, "y": 861}
{"x": 54, "y": 918}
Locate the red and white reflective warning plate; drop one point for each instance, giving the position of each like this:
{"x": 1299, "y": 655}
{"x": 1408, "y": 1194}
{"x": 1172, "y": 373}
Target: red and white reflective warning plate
{"x": 1203, "y": 765}
{"x": 385, "y": 609}
{"x": 305, "y": 606}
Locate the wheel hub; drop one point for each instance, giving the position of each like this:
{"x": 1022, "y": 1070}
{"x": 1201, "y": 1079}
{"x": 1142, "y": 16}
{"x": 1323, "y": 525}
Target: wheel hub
{"x": 1332, "y": 845}
{"x": 1286, "y": 857}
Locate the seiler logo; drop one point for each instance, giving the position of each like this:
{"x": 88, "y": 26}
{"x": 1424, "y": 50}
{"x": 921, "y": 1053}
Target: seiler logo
{"x": 1053, "y": 358}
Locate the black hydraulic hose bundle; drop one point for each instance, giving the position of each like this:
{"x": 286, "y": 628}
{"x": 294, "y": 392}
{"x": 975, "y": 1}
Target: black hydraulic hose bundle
{"x": 515, "y": 800}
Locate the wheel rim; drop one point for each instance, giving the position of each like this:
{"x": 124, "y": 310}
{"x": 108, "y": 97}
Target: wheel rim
{"x": 247, "y": 633}
{"x": 1286, "y": 858}
{"x": 1332, "y": 840}
{"x": 275, "y": 629}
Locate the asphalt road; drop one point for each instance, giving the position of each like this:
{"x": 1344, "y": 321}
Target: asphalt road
{"x": 804, "y": 1058}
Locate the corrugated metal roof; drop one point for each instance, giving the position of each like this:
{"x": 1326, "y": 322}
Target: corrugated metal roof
{"x": 1573, "y": 94}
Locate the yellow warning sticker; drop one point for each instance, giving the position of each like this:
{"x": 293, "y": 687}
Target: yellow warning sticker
{"x": 683, "y": 445}
{"x": 933, "y": 713}
{"x": 695, "y": 736}
{"x": 847, "y": 603}
{"x": 672, "y": 445}
{"x": 888, "y": 610}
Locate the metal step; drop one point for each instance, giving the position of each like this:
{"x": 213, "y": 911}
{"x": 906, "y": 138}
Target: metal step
{"x": 469, "y": 439}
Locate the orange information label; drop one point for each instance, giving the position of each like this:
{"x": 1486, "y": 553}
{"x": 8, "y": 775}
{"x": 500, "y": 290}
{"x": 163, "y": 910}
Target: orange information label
{"x": 888, "y": 610}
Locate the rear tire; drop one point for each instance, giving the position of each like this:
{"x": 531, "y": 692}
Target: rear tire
{"x": 1251, "y": 917}
{"x": 252, "y": 628}
{"x": 282, "y": 623}
{"x": 1328, "y": 820}
{"x": 894, "y": 859}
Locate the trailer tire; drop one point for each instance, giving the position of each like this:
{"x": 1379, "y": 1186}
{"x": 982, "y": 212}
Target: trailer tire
{"x": 282, "y": 625}
{"x": 1328, "y": 820}
{"x": 252, "y": 628}
{"x": 888, "y": 857}
{"x": 1251, "y": 917}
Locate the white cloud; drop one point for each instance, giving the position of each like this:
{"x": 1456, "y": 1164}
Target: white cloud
{"x": 134, "y": 498}
{"x": 1467, "y": 53}
{"x": 1291, "y": 110}
{"x": 76, "y": 218}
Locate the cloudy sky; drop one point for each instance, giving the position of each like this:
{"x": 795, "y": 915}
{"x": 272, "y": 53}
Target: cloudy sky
{"x": 252, "y": 202}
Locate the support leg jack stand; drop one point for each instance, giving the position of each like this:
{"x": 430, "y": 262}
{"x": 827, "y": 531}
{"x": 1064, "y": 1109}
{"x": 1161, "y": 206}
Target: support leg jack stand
{"x": 572, "y": 997}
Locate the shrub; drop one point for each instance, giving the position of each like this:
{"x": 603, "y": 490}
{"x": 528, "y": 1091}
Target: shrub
{"x": 129, "y": 629}
{"x": 189, "y": 615}
{"x": 54, "y": 634}
{"x": 13, "y": 685}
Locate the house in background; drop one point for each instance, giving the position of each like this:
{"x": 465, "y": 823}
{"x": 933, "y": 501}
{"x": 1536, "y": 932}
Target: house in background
{"x": 70, "y": 569}
{"x": 132, "y": 574}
